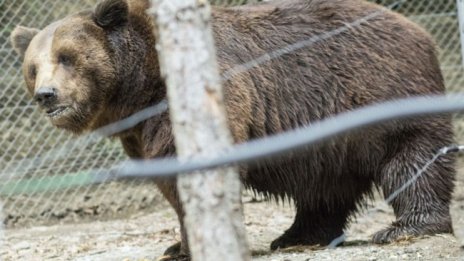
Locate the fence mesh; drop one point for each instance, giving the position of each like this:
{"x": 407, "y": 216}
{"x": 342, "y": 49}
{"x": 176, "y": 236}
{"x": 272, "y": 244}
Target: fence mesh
{"x": 38, "y": 160}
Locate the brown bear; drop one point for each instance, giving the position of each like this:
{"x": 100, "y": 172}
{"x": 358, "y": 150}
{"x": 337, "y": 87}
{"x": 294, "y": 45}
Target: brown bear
{"x": 99, "y": 66}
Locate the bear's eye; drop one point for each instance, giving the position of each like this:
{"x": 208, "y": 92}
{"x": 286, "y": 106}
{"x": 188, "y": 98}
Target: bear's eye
{"x": 32, "y": 71}
{"x": 64, "y": 59}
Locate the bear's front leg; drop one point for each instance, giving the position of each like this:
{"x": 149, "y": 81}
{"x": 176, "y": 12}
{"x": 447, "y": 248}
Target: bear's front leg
{"x": 178, "y": 251}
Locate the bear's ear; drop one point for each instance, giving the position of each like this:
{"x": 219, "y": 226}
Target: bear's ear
{"x": 21, "y": 37}
{"x": 111, "y": 13}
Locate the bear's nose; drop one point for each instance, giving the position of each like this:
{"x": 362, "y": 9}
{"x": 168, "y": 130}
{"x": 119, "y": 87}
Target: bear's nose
{"x": 45, "y": 96}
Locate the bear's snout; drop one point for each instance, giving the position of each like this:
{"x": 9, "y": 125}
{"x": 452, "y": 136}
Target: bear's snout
{"x": 46, "y": 96}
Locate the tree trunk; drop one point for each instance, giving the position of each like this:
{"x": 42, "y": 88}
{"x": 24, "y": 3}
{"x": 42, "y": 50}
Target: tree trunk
{"x": 211, "y": 199}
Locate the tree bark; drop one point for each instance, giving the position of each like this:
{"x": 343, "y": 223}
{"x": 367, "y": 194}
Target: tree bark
{"x": 211, "y": 199}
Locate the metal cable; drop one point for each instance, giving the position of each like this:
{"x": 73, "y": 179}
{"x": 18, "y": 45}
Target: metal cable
{"x": 280, "y": 144}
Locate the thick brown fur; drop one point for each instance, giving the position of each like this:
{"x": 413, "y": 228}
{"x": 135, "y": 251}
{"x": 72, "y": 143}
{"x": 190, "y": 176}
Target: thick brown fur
{"x": 384, "y": 58}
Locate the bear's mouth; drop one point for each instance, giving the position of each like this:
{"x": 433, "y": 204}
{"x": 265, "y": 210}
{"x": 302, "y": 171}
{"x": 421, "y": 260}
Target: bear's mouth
{"x": 55, "y": 112}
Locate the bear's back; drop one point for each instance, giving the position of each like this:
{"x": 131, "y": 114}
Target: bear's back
{"x": 319, "y": 58}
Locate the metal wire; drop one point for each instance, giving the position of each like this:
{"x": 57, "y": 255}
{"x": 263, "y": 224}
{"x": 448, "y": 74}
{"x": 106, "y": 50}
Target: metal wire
{"x": 280, "y": 144}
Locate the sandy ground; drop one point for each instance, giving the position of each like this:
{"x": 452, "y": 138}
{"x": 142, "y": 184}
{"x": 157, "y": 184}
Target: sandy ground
{"x": 145, "y": 237}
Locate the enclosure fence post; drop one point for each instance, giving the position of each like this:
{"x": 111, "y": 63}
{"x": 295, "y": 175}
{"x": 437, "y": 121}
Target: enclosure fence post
{"x": 211, "y": 199}
{"x": 460, "y": 7}
{"x": 2, "y": 227}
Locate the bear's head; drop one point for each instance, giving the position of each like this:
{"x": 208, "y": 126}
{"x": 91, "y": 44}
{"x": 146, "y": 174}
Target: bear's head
{"x": 85, "y": 69}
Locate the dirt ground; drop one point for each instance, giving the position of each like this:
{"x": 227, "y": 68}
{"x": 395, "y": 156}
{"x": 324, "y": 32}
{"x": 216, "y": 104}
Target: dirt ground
{"x": 144, "y": 237}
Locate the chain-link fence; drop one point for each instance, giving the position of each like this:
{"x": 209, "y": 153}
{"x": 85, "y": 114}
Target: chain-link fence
{"x": 37, "y": 161}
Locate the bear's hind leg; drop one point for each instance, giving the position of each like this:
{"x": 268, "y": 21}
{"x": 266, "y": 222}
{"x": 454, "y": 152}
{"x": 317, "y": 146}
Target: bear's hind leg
{"x": 423, "y": 207}
{"x": 313, "y": 227}
{"x": 323, "y": 212}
